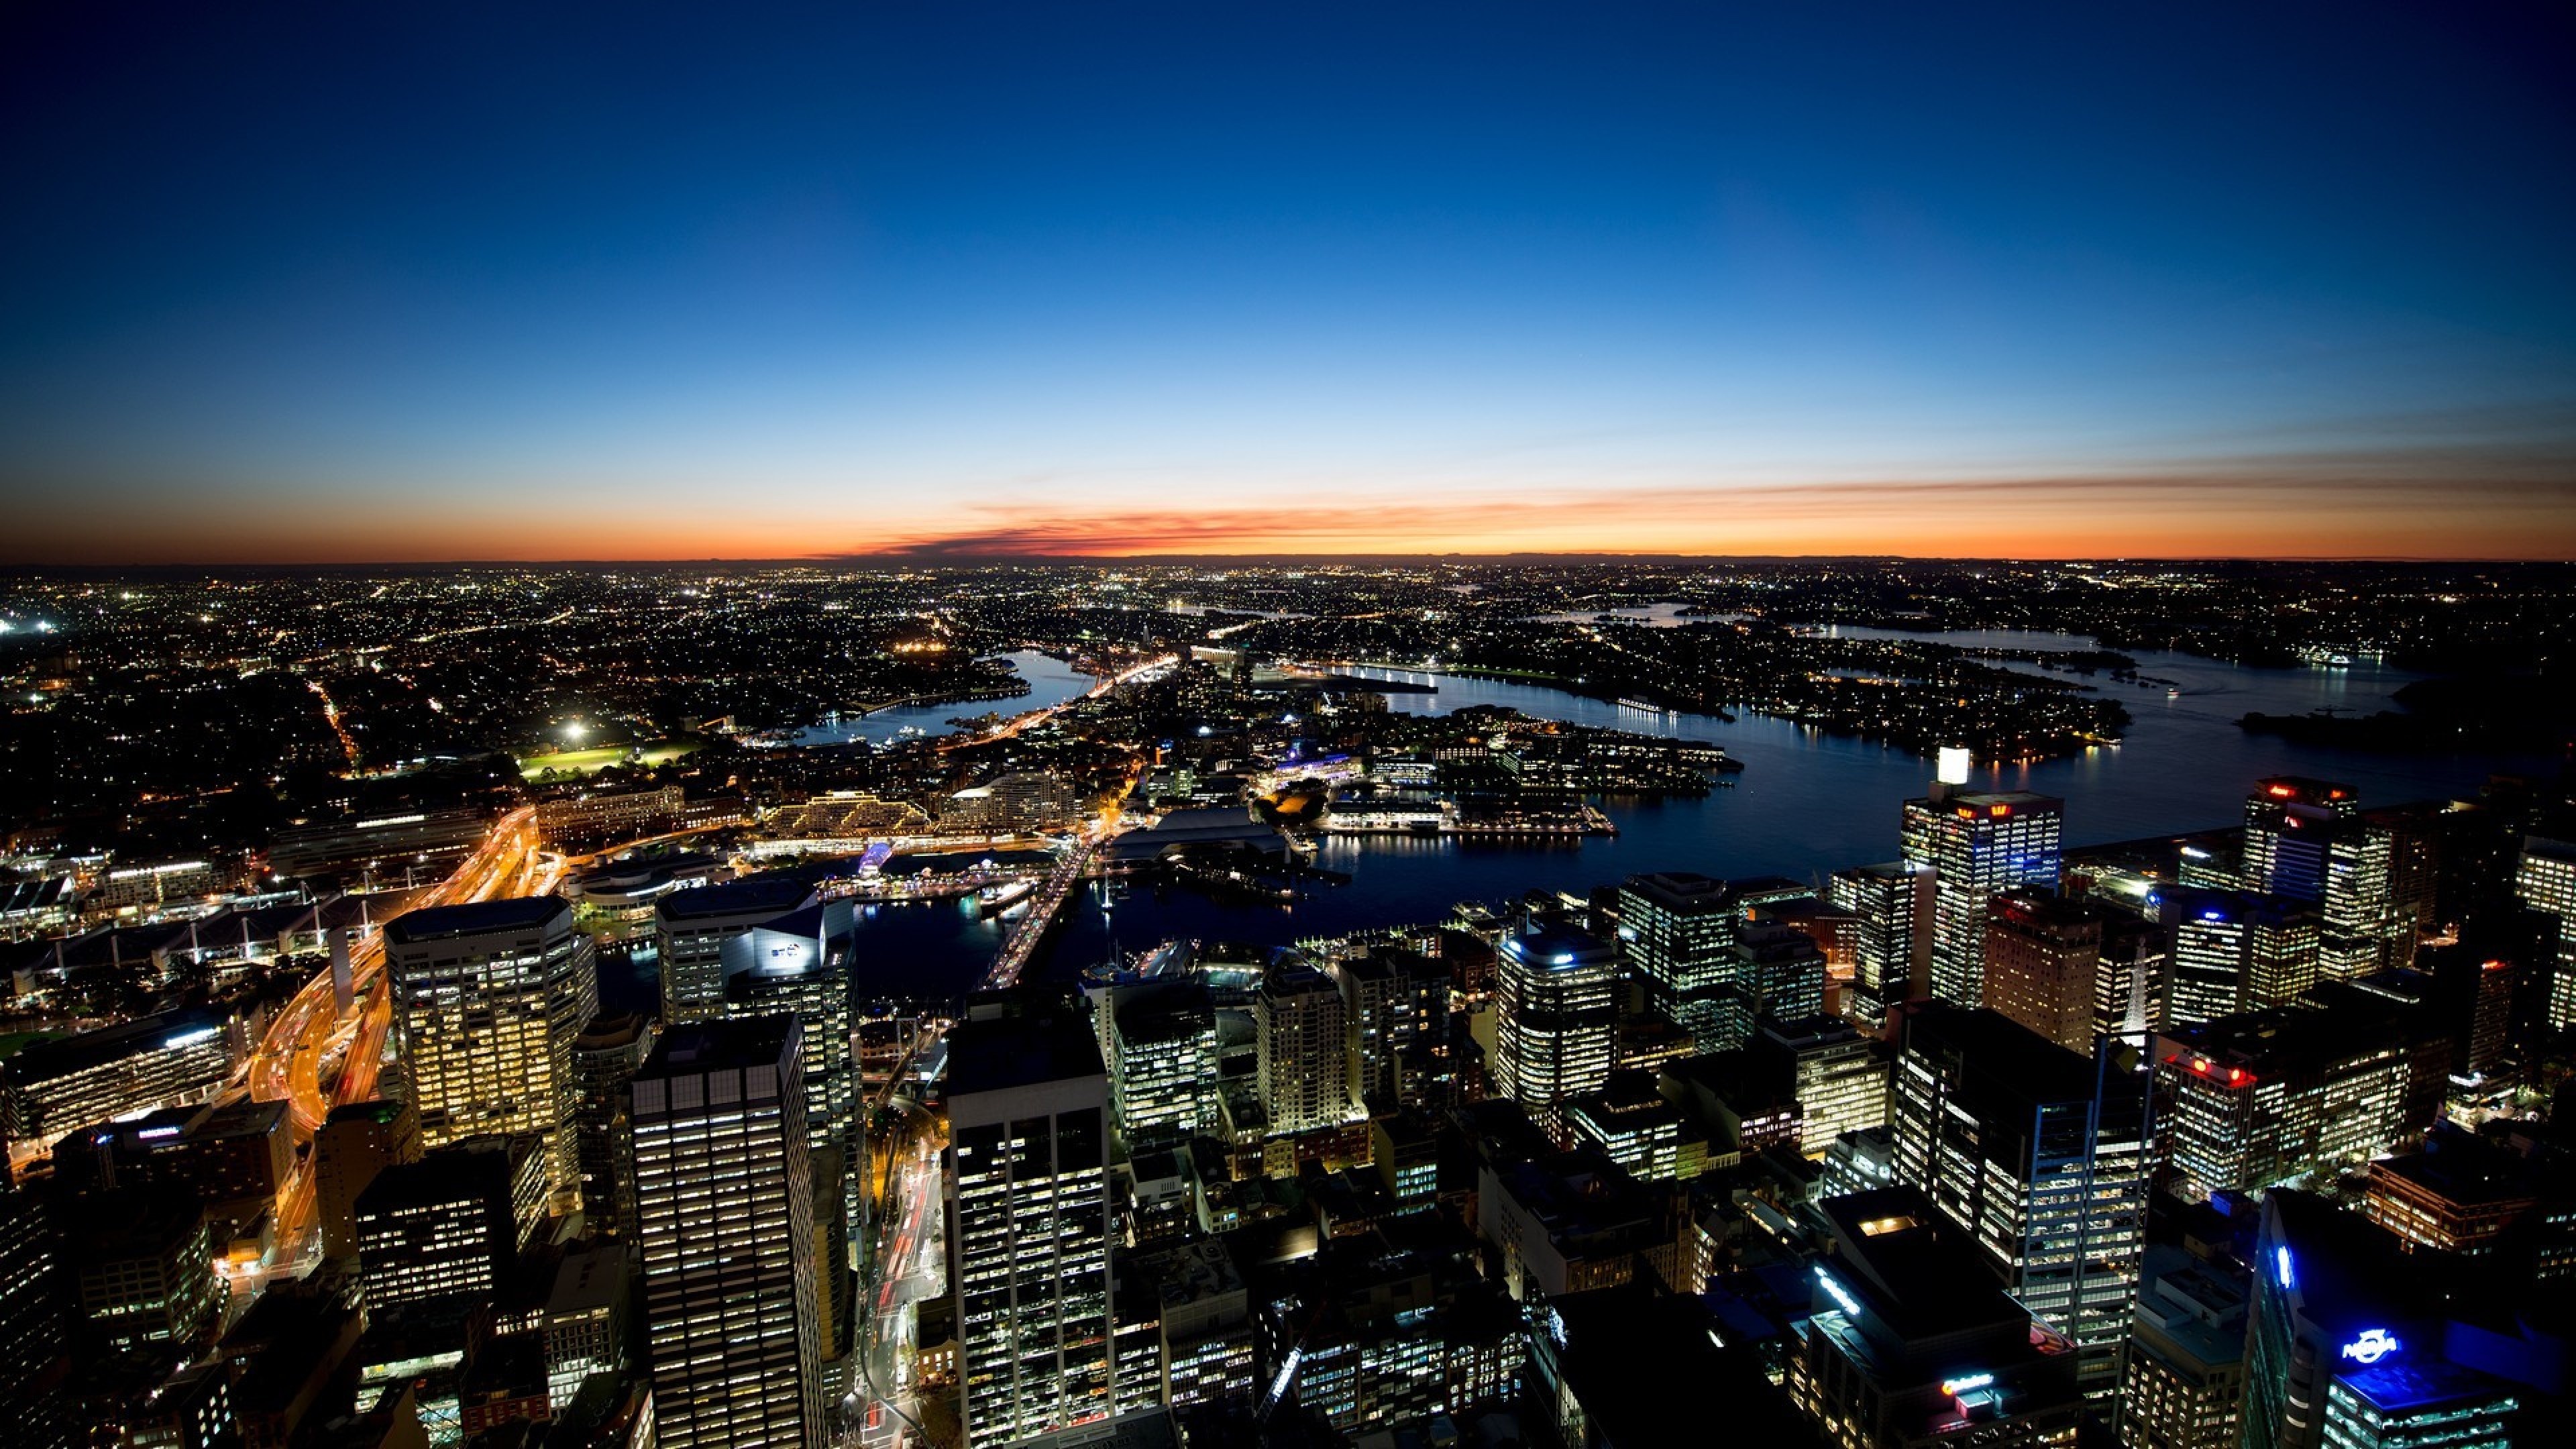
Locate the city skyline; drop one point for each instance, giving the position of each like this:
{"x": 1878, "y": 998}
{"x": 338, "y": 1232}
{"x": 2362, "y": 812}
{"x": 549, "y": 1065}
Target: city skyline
{"x": 358, "y": 289}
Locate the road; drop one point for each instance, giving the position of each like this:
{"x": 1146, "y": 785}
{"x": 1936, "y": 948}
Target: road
{"x": 909, "y": 1265}
{"x": 313, "y": 1058}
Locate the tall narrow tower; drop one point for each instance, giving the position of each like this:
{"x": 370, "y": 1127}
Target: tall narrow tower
{"x": 724, "y": 1223}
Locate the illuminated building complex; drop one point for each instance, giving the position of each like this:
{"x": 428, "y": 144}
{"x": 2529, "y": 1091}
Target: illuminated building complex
{"x": 1555, "y": 1018}
{"x": 172, "y": 1059}
{"x": 724, "y": 1228}
{"x": 1677, "y": 933}
{"x": 1030, "y": 1220}
{"x": 487, "y": 1001}
{"x": 2232, "y": 951}
{"x": 2041, "y": 1154}
{"x": 2260, "y": 1097}
{"x": 1912, "y": 1343}
{"x": 2546, "y": 878}
{"x": 142, "y": 1269}
{"x": 1977, "y": 843}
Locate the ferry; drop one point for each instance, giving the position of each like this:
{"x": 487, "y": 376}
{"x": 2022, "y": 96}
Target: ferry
{"x": 993, "y": 900}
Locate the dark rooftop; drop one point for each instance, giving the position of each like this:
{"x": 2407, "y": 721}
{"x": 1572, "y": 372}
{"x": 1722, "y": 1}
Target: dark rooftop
{"x": 776, "y": 895}
{"x": 999, "y": 1052}
{"x": 475, "y": 918}
{"x": 703, "y": 1046}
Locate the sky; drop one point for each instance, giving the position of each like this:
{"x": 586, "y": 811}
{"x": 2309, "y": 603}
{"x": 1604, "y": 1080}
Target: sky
{"x": 300, "y": 283}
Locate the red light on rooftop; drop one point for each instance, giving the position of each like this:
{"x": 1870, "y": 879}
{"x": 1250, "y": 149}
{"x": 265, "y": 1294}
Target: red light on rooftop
{"x": 2283, "y": 792}
{"x": 2200, "y": 1065}
{"x": 2235, "y": 1075}
{"x": 2494, "y": 966}
{"x": 2000, "y": 810}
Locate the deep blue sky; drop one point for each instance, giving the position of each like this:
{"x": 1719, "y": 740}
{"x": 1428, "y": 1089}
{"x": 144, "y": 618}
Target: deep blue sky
{"x": 390, "y": 282}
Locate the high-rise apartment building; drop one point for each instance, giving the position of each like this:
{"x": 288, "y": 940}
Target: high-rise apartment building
{"x": 2044, "y": 966}
{"x": 487, "y": 1000}
{"x": 605, "y": 1057}
{"x": 1303, "y": 1045}
{"x": 1398, "y": 1003}
{"x": 1030, "y": 1220}
{"x": 1977, "y": 843}
{"x": 2042, "y": 1155}
{"x": 724, "y": 1228}
{"x": 1556, "y": 1017}
{"x": 2232, "y": 951}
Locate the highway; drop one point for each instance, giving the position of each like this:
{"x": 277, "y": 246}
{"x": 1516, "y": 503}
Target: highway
{"x": 314, "y": 1059}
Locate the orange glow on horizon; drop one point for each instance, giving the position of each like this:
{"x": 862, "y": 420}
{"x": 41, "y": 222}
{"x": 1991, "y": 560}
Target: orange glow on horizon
{"x": 2188, "y": 516}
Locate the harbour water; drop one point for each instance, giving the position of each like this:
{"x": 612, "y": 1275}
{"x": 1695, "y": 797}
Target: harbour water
{"x": 1805, "y": 804}
{"x": 1051, "y": 682}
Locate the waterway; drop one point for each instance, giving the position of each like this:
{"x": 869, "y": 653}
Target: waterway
{"x": 1051, "y": 682}
{"x": 1805, "y": 804}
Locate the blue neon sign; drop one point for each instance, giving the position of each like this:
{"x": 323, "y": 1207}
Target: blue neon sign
{"x": 2373, "y": 1345}
{"x": 2281, "y": 1260}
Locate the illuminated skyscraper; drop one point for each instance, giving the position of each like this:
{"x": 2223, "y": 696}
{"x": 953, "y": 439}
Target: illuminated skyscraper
{"x": 2231, "y": 951}
{"x": 690, "y": 928}
{"x": 1029, "y": 1220}
{"x": 2044, "y": 964}
{"x": 1892, "y": 962}
{"x": 1676, "y": 931}
{"x": 487, "y": 1000}
{"x": 2307, "y": 840}
{"x": 2259, "y": 1097}
{"x": 2184, "y": 1372}
{"x": 1161, "y": 1049}
{"x": 605, "y": 1058}
{"x": 1977, "y": 843}
{"x": 799, "y": 965}
{"x": 724, "y": 1206}
{"x": 447, "y": 1228}
{"x": 1556, "y": 1017}
{"x": 2546, "y": 878}
{"x": 2041, "y": 1154}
